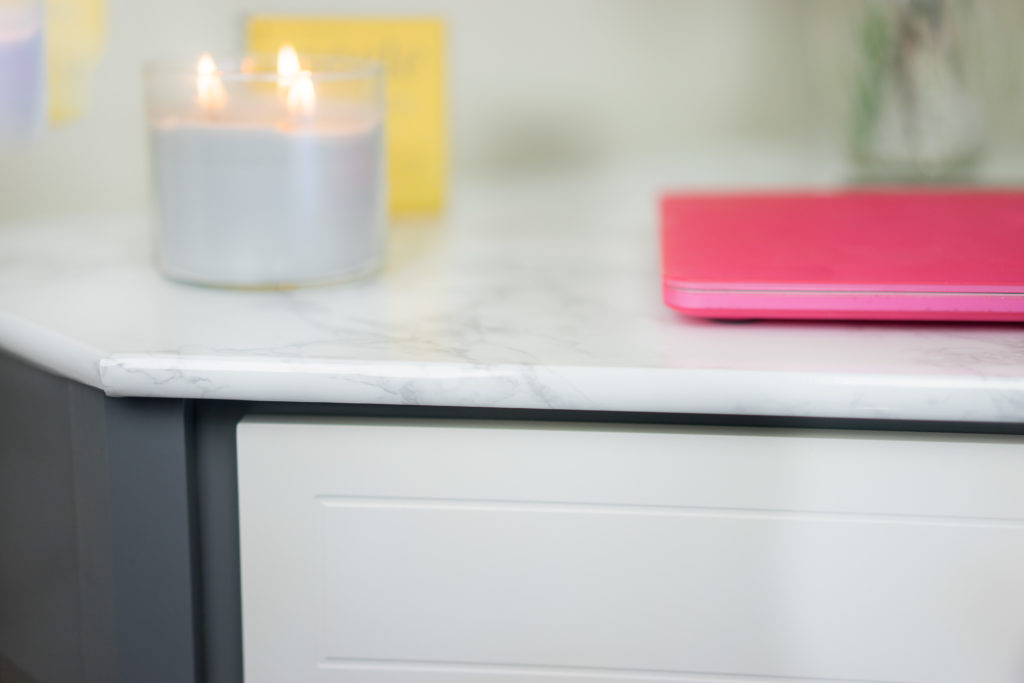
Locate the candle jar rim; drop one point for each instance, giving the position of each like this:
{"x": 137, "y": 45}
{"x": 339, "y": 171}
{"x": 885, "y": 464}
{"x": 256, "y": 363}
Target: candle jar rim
{"x": 262, "y": 67}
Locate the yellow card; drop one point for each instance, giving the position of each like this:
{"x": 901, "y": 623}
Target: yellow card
{"x": 412, "y": 51}
{"x": 74, "y": 40}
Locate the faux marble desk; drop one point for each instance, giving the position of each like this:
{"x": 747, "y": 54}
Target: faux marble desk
{"x": 121, "y": 393}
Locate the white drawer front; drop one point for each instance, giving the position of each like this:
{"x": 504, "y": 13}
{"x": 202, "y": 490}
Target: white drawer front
{"x": 387, "y": 552}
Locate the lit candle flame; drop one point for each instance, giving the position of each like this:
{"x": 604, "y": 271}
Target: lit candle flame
{"x": 209, "y": 87}
{"x": 288, "y": 67}
{"x": 302, "y": 95}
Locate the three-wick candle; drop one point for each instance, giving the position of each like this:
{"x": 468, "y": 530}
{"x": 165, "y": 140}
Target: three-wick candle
{"x": 268, "y": 175}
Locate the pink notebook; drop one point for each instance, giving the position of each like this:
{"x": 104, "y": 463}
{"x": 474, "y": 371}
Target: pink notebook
{"x": 860, "y": 255}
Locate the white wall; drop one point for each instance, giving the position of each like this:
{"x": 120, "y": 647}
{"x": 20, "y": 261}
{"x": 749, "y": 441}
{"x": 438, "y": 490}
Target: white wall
{"x": 531, "y": 82}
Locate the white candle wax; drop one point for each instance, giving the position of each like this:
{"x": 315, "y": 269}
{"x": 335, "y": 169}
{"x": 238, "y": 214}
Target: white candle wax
{"x": 246, "y": 205}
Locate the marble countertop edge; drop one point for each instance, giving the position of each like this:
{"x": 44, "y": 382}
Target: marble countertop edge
{"x": 50, "y": 350}
{"x": 711, "y": 391}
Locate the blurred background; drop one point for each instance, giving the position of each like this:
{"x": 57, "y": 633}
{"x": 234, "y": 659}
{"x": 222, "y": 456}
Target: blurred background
{"x": 531, "y": 84}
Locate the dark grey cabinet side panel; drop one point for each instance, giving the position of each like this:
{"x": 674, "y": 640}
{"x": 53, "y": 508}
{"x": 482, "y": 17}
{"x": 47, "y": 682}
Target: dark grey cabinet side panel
{"x": 149, "y": 451}
{"x": 217, "y": 489}
{"x": 98, "y": 560}
{"x": 92, "y": 522}
{"x": 9, "y": 673}
{"x": 40, "y": 631}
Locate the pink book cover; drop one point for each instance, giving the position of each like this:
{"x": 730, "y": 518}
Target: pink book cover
{"x": 955, "y": 255}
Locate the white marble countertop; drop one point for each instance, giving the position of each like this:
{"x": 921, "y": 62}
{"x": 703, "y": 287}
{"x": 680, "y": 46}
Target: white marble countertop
{"x": 530, "y": 294}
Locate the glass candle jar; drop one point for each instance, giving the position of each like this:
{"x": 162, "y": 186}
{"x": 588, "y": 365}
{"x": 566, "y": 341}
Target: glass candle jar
{"x": 267, "y": 173}
{"x": 22, "y": 69}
